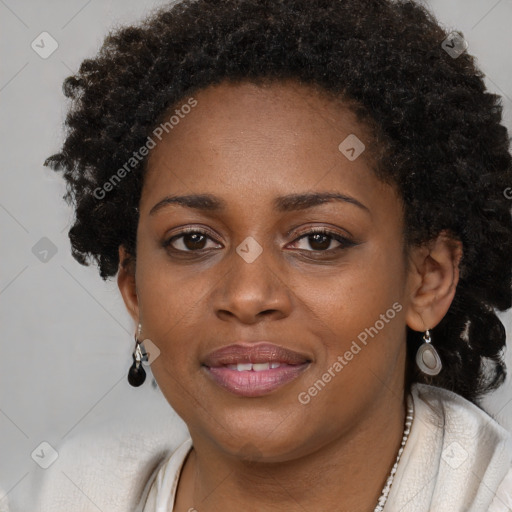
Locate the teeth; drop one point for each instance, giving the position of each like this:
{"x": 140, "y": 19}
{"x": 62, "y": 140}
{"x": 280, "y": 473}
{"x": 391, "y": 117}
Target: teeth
{"x": 260, "y": 366}
{"x": 257, "y": 367}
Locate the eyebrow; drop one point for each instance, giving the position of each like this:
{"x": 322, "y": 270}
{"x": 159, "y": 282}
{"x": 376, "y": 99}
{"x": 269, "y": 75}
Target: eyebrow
{"x": 292, "y": 202}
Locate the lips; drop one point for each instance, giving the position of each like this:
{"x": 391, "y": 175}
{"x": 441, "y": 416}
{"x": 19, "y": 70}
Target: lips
{"x": 262, "y": 352}
{"x": 254, "y": 370}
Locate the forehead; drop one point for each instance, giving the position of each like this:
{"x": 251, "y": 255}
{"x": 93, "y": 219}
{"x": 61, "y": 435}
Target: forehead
{"x": 234, "y": 111}
{"x": 249, "y": 139}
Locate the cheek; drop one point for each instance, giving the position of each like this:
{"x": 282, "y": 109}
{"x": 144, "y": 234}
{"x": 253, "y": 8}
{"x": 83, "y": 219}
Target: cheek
{"x": 169, "y": 303}
{"x": 358, "y": 313}
{"x": 353, "y": 296}
{"x": 173, "y": 323}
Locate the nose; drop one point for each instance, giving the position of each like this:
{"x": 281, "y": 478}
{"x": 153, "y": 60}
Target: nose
{"x": 252, "y": 291}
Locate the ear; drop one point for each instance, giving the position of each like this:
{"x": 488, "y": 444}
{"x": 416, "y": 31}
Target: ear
{"x": 433, "y": 278}
{"x": 126, "y": 283}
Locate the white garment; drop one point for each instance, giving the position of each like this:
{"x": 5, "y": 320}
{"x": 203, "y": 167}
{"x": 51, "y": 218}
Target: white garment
{"x": 105, "y": 462}
{"x": 122, "y": 466}
{"x": 457, "y": 459}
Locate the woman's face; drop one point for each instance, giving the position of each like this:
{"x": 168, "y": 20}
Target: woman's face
{"x": 251, "y": 270}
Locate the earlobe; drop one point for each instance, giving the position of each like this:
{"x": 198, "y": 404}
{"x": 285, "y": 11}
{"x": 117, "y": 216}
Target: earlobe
{"x": 433, "y": 278}
{"x": 127, "y": 285}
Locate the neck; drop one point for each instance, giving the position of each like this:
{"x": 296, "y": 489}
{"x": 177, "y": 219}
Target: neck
{"x": 347, "y": 473}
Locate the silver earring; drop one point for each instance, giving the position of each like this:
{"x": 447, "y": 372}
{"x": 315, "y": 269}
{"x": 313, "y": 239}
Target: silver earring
{"x": 137, "y": 374}
{"x": 427, "y": 358}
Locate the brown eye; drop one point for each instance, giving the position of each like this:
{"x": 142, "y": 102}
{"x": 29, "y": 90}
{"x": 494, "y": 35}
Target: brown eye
{"x": 194, "y": 241}
{"x": 188, "y": 241}
{"x": 321, "y": 241}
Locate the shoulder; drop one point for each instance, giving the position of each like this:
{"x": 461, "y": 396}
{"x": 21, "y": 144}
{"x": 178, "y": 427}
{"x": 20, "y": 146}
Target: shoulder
{"x": 502, "y": 501}
{"x": 108, "y": 462}
{"x": 446, "y": 409}
{"x": 464, "y": 431}
{"x": 456, "y": 458}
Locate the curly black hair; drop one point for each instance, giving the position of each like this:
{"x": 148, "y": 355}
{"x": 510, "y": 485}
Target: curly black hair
{"x": 442, "y": 142}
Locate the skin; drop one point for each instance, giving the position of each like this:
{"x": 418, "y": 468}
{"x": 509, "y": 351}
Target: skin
{"x": 247, "y": 145}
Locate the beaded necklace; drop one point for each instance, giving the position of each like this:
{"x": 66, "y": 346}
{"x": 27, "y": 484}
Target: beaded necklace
{"x": 408, "y": 422}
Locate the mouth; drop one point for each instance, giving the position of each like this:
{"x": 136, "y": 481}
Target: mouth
{"x": 254, "y": 370}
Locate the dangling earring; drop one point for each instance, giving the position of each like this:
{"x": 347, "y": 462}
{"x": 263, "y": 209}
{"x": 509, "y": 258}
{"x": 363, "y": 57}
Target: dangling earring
{"x": 137, "y": 374}
{"x": 427, "y": 358}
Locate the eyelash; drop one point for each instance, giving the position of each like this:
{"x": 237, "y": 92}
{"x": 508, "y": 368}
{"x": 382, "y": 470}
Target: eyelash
{"x": 344, "y": 242}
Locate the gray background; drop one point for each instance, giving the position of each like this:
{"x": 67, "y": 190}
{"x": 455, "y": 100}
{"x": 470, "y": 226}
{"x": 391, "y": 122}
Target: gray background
{"x": 66, "y": 338}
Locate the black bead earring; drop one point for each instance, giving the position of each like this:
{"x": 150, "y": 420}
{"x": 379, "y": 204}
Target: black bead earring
{"x": 137, "y": 374}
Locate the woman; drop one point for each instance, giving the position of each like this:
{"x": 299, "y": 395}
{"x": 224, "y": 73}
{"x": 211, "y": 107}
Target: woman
{"x": 304, "y": 204}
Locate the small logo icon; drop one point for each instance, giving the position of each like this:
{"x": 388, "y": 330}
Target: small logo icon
{"x": 352, "y": 147}
{"x": 249, "y": 249}
{"x": 44, "y": 250}
{"x": 454, "y": 45}
{"x": 44, "y": 45}
{"x": 44, "y": 455}
{"x": 151, "y": 352}
{"x": 454, "y": 455}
